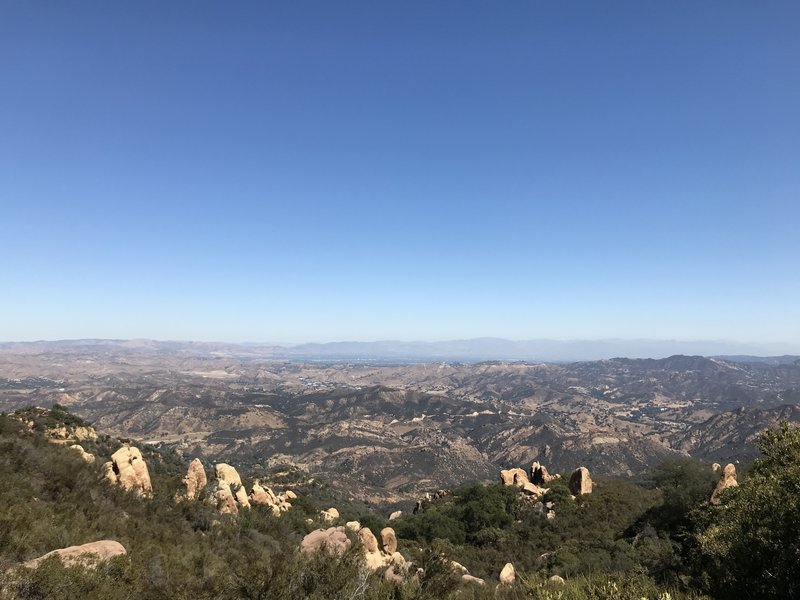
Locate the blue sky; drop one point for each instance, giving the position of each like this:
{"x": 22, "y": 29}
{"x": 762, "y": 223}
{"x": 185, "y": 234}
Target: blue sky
{"x": 315, "y": 171}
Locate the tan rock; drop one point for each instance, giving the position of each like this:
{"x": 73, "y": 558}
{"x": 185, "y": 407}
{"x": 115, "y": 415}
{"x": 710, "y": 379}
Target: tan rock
{"x": 222, "y": 498}
{"x": 540, "y": 475}
{"x": 131, "y": 471}
{"x": 87, "y": 555}
{"x": 508, "y": 575}
{"x": 330, "y": 515}
{"x": 396, "y": 515}
{"x": 229, "y": 477}
{"x": 458, "y": 567}
{"x": 353, "y": 526}
{"x": 728, "y": 481}
{"x": 388, "y": 541}
{"x": 514, "y": 476}
{"x": 333, "y": 541}
{"x": 195, "y": 480}
{"x": 467, "y": 578}
{"x": 534, "y": 491}
{"x": 368, "y": 539}
{"x": 88, "y": 457}
{"x": 556, "y": 580}
{"x": 580, "y": 483}
{"x": 290, "y": 495}
{"x": 265, "y": 496}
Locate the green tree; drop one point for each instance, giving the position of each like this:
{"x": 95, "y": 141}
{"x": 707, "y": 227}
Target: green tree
{"x": 753, "y": 540}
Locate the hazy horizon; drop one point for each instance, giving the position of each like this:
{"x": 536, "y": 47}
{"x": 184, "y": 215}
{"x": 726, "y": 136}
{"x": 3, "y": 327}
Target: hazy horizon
{"x": 372, "y": 171}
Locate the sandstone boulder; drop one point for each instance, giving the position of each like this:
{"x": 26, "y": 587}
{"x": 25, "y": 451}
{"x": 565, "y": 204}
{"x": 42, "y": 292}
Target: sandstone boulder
{"x": 353, "y": 526}
{"x": 333, "y": 541}
{"x": 228, "y": 477}
{"x": 368, "y": 539}
{"x": 508, "y": 575}
{"x": 330, "y": 515}
{"x": 580, "y": 483}
{"x": 195, "y": 480}
{"x": 262, "y": 495}
{"x": 396, "y": 515}
{"x": 534, "y": 491}
{"x": 514, "y": 476}
{"x": 129, "y": 471}
{"x": 388, "y": 541}
{"x": 467, "y": 578}
{"x": 728, "y": 481}
{"x": 87, "y": 555}
{"x": 223, "y": 500}
{"x": 88, "y": 457}
{"x": 556, "y": 580}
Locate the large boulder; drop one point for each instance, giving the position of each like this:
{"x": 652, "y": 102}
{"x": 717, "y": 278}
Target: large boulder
{"x": 87, "y": 555}
{"x": 333, "y": 541}
{"x": 368, "y": 539}
{"x": 388, "y": 541}
{"x": 263, "y": 495}
{"x": 580, "y": 483}
{"x": 514, "y": 476}
{"x": 728, "y": 481}
{"x": 508, "y": 576}
{"x": 195, "y": 480}
{"x": 222, "y": 499}
{"x": 229, "y": 477}
{"x": 129, "y": 470}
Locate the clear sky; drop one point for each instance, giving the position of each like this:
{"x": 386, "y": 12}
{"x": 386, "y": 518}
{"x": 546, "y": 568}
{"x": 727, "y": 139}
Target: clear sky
{"x": 316, "y": 171}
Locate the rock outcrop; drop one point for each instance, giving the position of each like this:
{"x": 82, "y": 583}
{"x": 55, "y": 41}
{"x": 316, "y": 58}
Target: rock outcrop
{"x": 195, "y": 480}
{"x": 514, "y": 476}
{"x": 396, "y": 515}
{"x": 87, "y": 555}
{"x": 88, "y": 457}
{"x": 128, "y": 469}
{"x": 580, "y": 483}
{"x": 728, "y": 481}
{"x": 540, "y": 476}
{"x": 227, "y": 492}
{"x": 333, "y": 541}
{"x": 65, "y": 434}
{"x": 518, "y": 477}
{"x": 278, "y": 503}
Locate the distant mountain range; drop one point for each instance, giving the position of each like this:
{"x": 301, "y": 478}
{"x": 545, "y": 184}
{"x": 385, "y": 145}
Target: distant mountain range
{"x": 470, "y": 350}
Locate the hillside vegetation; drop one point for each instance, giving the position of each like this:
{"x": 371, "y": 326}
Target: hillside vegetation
{"x": 657, "y": 541}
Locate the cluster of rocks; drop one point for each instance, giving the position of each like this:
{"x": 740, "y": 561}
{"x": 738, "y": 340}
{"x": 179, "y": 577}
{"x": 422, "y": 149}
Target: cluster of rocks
{"x": 532, "y": 490}
{"x": 128, "y": 469}
{"x": 728, "y": 480}
{"x": 423, "y": 502}
{"x": 229, "y": 496}
{"x": 518, "y": 477}
{"x": 380, "y": 553}
{"x": 64, "y": 435}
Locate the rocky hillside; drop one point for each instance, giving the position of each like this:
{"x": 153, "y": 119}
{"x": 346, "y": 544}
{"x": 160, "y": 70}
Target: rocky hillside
{"x": 390, "y": 433}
